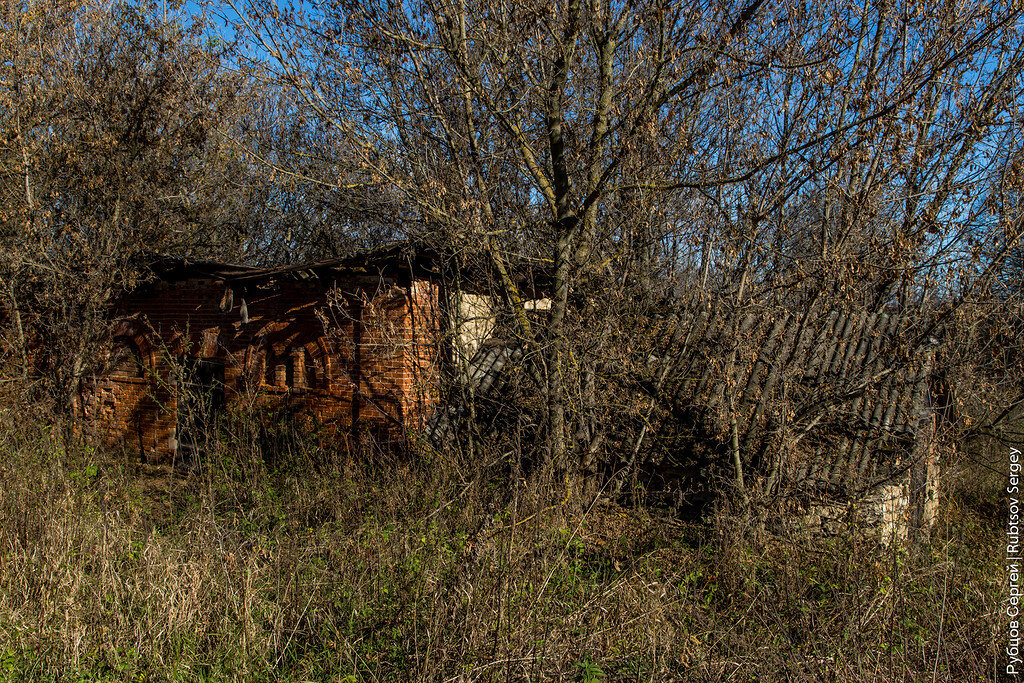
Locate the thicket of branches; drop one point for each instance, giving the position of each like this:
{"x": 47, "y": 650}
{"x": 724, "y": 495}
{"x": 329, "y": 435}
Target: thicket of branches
{"x": 652, "y": 157}
{"x": 753, "y": 156}
{"x": 111, "y": 148}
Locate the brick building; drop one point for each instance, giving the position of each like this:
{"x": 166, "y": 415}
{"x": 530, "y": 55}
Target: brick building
{"x": 349, "y": 345}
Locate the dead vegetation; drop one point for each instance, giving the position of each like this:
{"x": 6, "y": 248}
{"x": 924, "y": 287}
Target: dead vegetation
{"x": 826, "y": 163}
{"x": 325, "y": 567}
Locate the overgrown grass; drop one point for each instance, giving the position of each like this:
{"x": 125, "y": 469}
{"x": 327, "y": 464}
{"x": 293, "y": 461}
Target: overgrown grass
{"x": 324, "y": 567}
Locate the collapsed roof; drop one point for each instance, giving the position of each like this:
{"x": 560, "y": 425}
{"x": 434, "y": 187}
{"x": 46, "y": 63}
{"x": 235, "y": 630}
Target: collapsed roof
{"x": 473, "y": 270}
{"x": 400, "y": 256}
{"x": 848, "y": 389}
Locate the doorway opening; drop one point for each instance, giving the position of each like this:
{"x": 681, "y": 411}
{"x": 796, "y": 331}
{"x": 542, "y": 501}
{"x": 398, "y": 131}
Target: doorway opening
{"x": 200, "y": 400}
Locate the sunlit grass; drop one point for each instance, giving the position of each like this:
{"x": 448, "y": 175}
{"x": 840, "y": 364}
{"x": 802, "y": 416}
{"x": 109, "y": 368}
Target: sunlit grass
{"x": 322, "y": 568}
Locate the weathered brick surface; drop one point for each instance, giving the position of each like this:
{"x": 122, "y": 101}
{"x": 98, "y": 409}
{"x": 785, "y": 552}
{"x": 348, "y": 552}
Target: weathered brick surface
{"x": 361, "y": 357}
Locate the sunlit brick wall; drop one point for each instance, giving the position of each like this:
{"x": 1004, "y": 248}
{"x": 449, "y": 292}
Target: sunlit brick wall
{"x": 362, "y": 360}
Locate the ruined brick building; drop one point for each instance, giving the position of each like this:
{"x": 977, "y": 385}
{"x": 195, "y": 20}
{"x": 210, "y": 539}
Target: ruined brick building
{"x": 352, "y": 345}
{"x": 832, "y": 409}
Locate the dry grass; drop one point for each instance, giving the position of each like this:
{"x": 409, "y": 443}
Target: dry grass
{"x": 315, "y": 567}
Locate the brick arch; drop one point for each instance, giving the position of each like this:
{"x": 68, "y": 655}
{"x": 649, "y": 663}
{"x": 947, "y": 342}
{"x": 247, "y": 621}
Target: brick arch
{"x": 273, "y": 354}
{"x": 253, "y": 364}
{"x": 125, "y": 360}
{"x": 257, "y": 368}
{"x": 317, "y": 350}
{"x": 138, "y": 335}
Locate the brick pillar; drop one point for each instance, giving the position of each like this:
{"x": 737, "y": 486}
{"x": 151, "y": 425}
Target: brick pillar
{"x": 298, "y": 368}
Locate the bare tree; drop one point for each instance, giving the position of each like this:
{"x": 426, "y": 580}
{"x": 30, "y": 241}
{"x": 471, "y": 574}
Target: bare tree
{"x": 737, "y": 152}
{"x": 111, "y": 148}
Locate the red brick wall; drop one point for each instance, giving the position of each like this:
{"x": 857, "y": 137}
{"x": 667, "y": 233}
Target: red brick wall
{"x": 375, "y": 372}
